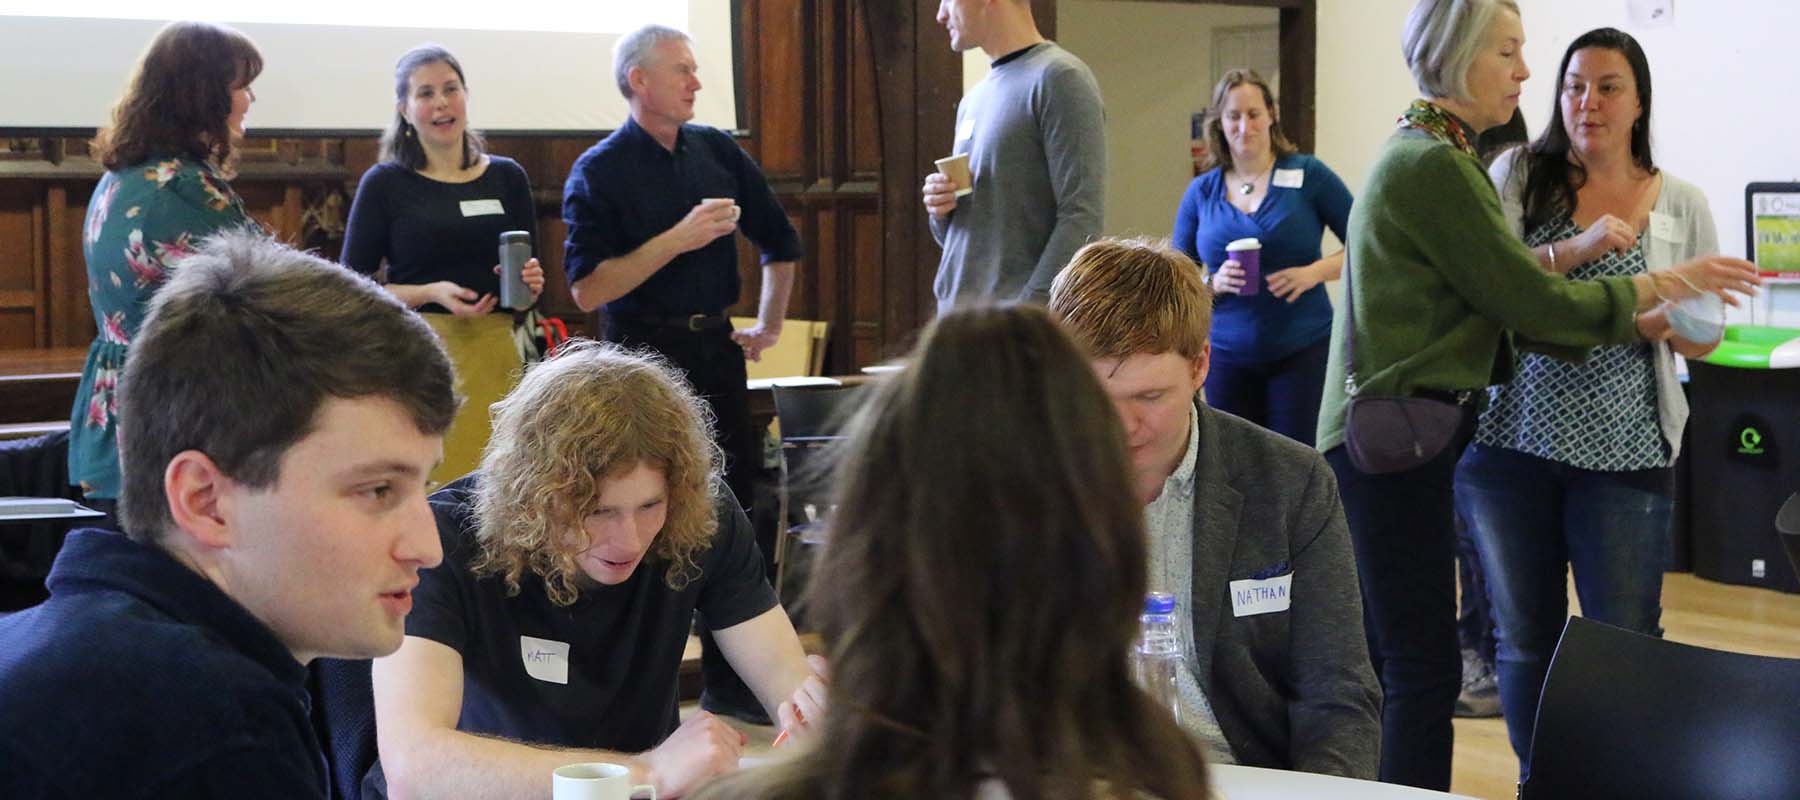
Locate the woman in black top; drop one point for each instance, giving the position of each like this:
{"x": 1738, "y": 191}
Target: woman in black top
{"x": 433, "y": 211}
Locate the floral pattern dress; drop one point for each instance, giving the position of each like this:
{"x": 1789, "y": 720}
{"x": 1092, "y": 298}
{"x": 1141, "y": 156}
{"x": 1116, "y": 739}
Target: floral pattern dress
{"x": 142, "y": 221}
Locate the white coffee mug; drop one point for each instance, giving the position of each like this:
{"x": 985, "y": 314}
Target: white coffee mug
{"x": 596, "y": 780}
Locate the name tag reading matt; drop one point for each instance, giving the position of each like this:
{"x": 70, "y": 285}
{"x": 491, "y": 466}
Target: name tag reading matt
{"x": 545, "y": 659}
{"x": 1288, "y": 178}
{"x": 1250, "y": 597}
{"x": 1662, "y": 226}
{"x": 482, "y": 208}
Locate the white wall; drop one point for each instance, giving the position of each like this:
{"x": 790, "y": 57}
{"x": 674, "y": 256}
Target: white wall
{"x": 1724, "y": 111}
{"x": 1154, "y": 64}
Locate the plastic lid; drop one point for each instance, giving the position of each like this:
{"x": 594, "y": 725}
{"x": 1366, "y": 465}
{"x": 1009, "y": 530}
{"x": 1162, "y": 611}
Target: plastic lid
{"x": 1159, "y": 603}
{"x": 1251, "y": 243}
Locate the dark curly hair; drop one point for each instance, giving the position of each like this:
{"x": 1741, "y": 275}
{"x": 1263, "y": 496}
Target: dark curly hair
{"x": 179, "y": 99}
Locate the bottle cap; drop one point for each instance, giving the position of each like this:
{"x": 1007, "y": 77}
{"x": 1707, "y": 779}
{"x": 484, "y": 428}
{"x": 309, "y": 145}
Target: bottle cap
{"x": 1159, "y": 603}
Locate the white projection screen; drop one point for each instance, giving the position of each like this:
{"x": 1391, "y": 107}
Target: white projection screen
{"x": 533, "y": 66}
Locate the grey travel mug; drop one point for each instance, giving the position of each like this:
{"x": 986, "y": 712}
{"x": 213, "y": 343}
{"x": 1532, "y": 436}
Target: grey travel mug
{"x": 515, "y": 250}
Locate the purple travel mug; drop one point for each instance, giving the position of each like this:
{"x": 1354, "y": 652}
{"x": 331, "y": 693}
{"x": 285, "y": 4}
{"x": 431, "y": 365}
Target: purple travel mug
{"x": 1248, "y": 254}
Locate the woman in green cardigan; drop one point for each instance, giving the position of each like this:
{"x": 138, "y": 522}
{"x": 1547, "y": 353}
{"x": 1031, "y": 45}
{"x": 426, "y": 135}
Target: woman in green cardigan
{"x": 1440, "y": 289}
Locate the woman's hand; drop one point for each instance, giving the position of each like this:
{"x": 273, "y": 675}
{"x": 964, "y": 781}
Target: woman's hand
{"x": 460, "y": 301}
{"x": 1607, "y": 233}
{"x": 1228, "y": 278}
{"x": 532, "y": 274}
{"x": 1290, "y": 283}
{"x": 1721, "y": 275}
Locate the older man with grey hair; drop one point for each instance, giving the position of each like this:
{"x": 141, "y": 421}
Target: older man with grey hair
{"x": 651, "y": 212}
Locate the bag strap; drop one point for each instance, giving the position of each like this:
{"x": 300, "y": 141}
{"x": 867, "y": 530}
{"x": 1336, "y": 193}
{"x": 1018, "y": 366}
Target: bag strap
{"x": 1349, "y": 330}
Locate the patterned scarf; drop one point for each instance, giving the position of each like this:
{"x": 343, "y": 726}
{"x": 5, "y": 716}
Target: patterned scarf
{"x": 1442, "y": 125}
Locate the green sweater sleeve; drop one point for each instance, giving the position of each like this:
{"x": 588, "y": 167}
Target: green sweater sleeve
{"x": 1461, "y": 230}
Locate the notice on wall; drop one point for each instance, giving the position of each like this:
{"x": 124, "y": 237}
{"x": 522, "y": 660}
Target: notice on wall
{"x": 1775, "y": 224}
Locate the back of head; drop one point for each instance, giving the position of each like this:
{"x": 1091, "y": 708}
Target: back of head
{"x": 592, "y": 412}
{"x": 981, "y": 580}
{"x": 636, "y": 47}
{"x": 241, "y": 348}
{"x": 1440, "y": 40}
{"x": 179, "y": 99}
{"x": 1119, "y": 297}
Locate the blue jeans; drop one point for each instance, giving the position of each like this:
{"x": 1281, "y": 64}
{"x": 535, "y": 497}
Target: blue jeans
{"x": 1281, "y": 395}
{"x": 1534, "y": 519}
{"x": 1403, "y": 531}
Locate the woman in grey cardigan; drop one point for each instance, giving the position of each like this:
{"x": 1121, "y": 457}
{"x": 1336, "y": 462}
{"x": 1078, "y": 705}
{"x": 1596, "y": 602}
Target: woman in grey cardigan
{"x": 1571, "y": 462}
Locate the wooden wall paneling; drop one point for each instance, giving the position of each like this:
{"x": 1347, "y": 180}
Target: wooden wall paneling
{"x": 22, "y": 311}
{"x": 1299, "y": 62}
{"x": 864, "y": 133}
{"x": 784, "y": 42}
{"x": 871, "y": 340}
{"x": 71, "y": 317}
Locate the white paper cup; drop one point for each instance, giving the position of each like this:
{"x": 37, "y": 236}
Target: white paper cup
{"x": 1700, "y": 320}
{"x": 596, "y": 780}
{"x": 736, "y": 210}
{"x": 957, "y": 168}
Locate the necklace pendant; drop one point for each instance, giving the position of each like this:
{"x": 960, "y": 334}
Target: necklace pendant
{"x": 1246, "y": 188}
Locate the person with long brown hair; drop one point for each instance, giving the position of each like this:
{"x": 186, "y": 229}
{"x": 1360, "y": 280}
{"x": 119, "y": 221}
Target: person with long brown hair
{"x": 979, "y": 587}
{"x": 1273, "y": 330}
{"x": 432, "y": 211}
{"x": 168, "y": 154}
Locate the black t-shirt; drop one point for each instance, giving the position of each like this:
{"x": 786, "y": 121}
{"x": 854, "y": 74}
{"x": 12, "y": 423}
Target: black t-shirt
{"x": 620, "y": 646}
{"x": 428, "y": 230}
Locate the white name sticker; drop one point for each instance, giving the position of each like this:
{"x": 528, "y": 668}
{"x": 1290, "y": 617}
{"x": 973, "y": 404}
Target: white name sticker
{"x": 965, "y": 130}
{"x": 482, "y": 208}
{"x": 1288, "y": 178}
{"x": 1250, "y": 597}
{"x": 1662, "y": 226}
{"x": 546, "y": 660}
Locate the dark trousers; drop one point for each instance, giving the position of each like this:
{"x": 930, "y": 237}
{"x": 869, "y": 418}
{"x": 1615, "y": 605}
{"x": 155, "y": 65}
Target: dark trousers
{"x": 1403, "y": 532}
{"x": 714, "y": 365}
{"x": 1281, "y": 395}
{"x": 1474, "y": 615}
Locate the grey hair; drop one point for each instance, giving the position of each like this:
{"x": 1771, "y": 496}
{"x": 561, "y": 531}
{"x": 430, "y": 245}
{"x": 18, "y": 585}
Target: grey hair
{"x": 1440, "y": 41}
{"x": 635, "y": 46}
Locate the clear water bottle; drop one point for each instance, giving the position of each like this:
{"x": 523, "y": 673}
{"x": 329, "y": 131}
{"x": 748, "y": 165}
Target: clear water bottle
{"x": 1156, "y": 659}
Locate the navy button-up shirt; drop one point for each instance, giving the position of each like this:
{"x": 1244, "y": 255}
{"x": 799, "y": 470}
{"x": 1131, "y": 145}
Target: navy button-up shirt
{"x": 629, "y": 189}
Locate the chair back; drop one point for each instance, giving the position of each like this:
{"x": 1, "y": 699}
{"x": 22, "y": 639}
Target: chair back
{"x": 799, "y": 351}
{"x": 811, "y": 419}
{"x": 1787, "y": 522}
{"x": 1624, "y": 715}
{"x": 344, "y": 716}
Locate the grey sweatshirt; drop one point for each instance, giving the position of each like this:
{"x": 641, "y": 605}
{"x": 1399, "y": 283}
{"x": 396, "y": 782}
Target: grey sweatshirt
{"x": 1034, "y": 132}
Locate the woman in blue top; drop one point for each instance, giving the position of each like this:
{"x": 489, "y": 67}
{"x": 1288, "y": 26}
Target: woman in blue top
{"x": 433, "y": 211}
{"x": 168, "y": 155}
{"x": 1270, "y": 341}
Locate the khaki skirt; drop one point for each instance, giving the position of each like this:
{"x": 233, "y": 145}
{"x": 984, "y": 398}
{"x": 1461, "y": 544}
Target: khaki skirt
{"x": 487, "y": 367}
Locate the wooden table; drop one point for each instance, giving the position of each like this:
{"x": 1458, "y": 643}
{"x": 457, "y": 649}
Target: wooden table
{"x": 39, "y": 385}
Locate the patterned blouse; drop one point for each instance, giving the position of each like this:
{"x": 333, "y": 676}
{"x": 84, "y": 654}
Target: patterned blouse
{"x": 1598, "y": 415}
{"x": 141, "y": 222}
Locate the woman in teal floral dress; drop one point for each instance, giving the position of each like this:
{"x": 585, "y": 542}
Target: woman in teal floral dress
{"x": 168, "y": 155}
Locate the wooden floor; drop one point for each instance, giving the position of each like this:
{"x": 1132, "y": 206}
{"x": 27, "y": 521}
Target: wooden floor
{"x": 1695, "y": 611}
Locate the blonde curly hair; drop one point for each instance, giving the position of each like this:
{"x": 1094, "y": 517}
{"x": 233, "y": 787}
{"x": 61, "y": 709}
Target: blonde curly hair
{"x": 589, "y": 414}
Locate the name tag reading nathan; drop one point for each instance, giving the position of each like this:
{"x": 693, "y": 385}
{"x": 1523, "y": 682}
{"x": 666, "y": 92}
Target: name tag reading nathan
{"x": 1288, "y": 178}
{"x": 1250, "y": 597}
{"x": 545, "y": 659}
{"x": 482, "y": 208}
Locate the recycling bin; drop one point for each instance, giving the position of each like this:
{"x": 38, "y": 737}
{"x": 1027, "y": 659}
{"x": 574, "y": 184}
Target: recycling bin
{"x": 1744, "y": 453}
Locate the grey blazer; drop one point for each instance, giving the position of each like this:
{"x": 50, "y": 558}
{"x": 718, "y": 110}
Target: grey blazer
{"x": 1292, "y": 689}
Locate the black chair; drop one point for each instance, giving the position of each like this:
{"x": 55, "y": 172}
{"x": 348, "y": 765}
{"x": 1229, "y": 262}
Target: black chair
{"x": 1624, "y": 715}
{"x": 1787, "y": 522}
{"x": 811, "y": 420}
{"x": 344, "y": 717}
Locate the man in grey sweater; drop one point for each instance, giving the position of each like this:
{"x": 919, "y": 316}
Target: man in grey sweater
{"x": 1034, "y": 133}
{"x": 1244, "y": 525}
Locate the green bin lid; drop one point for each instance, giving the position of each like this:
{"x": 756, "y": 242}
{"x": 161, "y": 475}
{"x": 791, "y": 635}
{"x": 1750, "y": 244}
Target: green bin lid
{"x": 1757, "y": 347}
